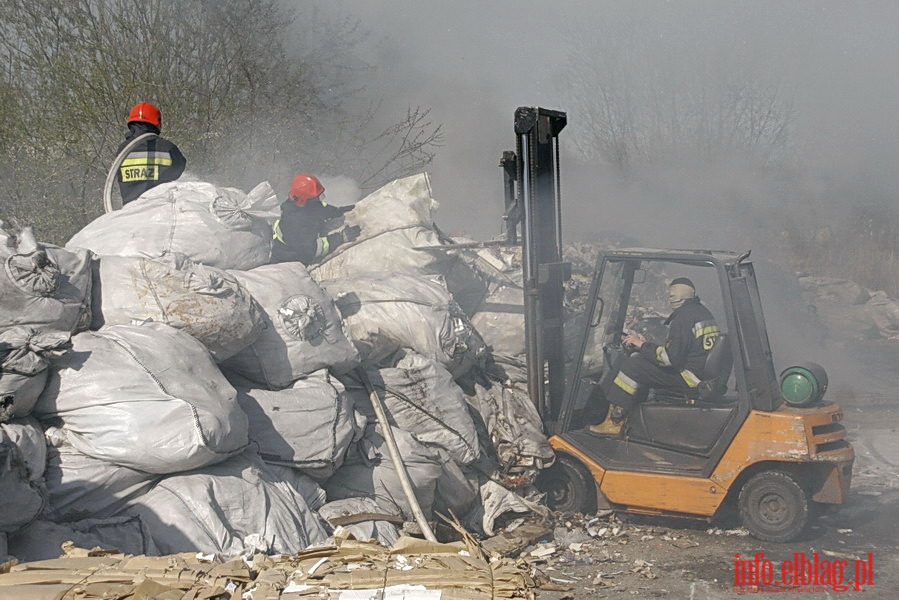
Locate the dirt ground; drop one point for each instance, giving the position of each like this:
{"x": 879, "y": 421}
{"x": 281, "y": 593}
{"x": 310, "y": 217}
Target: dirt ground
{"x": 619, "y": 556}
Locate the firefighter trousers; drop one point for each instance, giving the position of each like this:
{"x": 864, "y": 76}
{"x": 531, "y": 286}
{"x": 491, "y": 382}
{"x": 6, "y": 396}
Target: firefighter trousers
{"x": 636, "y": 376}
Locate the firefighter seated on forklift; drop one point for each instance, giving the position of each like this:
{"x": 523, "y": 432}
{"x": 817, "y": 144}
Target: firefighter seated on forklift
{"x": 677, "y": 365}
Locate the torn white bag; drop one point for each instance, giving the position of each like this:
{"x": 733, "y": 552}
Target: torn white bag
{"x": 369, "y": 472}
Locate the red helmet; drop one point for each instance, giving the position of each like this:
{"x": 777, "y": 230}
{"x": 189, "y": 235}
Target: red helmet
{"x": 304, "y": 188}
{"x": 146, "y": 113}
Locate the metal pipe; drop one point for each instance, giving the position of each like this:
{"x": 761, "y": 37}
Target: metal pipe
{"x": 395, "y": 457}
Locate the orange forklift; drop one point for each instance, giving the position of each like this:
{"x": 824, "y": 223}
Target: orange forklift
{"x": 770, "y": 447}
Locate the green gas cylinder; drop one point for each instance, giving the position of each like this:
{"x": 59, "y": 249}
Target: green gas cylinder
{"x": 804, "y": 384}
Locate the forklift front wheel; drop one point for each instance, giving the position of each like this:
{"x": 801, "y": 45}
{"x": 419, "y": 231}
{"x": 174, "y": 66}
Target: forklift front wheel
{"x": 773, "y": 506}
{"x": 568, "y": 485}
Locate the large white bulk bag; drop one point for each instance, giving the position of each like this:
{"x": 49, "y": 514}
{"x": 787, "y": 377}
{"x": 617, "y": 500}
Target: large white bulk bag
{"x": 303, "y": 332}
{"x": 422, "y": 398}
{"x": 231, "y": 508}
{"x": 24, "y": 357}
{"x": 42, "y": 286}
{"x": 369, "y": 472}
{"x": 394, "y": 221}
{"x": 206, "y": 302}
{"x": 218, "y": 226}
{"x": 81, "y": 487}
{"x": 148, "y": 397}
{"x": 384, "y": 312}
{"x": 23, "y": 454}
{"x": 308, "y": 426}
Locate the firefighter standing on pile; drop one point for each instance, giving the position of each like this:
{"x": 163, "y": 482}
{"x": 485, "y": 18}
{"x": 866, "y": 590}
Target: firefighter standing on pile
{"x": 152, "y": 161}
{"x": 678, "y": 364}
{"x": 303, "y": 233}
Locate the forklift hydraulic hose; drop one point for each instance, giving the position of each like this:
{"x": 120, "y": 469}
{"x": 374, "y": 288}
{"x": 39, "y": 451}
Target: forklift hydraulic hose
{"x": 394, "y": 451}
{"x": 110, "y": 177}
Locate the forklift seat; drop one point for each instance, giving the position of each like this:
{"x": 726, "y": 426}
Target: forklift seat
{"x": 688, "y": 420}
{"x": 718, "y": 365}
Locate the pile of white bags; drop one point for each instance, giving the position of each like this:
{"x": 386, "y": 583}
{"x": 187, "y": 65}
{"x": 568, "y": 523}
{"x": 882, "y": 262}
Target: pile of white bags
{"x": 217, "y": 403}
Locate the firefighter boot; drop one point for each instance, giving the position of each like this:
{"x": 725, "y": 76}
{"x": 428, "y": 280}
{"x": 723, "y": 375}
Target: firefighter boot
{"x": 613, "y": 422}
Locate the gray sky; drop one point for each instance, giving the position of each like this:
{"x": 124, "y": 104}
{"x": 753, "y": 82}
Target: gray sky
{"x": 473, "y": 62}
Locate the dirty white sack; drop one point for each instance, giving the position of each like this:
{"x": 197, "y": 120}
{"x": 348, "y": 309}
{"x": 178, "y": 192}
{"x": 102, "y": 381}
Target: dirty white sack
{"x": 25, "y": 354}
{"x": 206, "y": 302}
{"x": 43, "y": 540}
{"x": 369, "y": 472}
{"x": 22, "y": 457}
{"x": 218, "y": 226}
{"x": 394, "y": 221}
{"x": 148, "y": 397}
{"x": 308, "y": 426}
{"x": 81, "y": 487}
{"x": 42, "y": 286}
{"x": 384, "y": 312}
{"x": 303, "y": 332}
{"x": 422, "y": 399}
{"x": 231, "y": 508}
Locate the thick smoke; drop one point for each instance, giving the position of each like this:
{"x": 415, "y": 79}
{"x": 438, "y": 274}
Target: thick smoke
{"x": 833, "y": 62}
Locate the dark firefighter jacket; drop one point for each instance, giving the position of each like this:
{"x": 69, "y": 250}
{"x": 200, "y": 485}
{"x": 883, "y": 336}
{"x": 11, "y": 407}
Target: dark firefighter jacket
{"x": 692, "y": 332}
{"x": 148, "y": 164}
{"x": 301, "y": 234}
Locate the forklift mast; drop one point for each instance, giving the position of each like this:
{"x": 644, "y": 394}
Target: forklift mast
{"x": 537, "y": 208}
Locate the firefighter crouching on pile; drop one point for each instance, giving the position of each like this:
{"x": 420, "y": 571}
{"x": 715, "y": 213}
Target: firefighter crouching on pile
{"x": 153, "y": 161}
{"x": 678, "y": 364}
{"x": 303, "y": 233}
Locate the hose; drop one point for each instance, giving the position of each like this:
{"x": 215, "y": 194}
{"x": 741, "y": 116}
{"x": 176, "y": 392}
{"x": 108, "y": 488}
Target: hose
{"x": 110, "y": 177}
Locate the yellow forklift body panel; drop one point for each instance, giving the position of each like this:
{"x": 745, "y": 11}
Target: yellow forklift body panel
{"x": 798, "y": 436}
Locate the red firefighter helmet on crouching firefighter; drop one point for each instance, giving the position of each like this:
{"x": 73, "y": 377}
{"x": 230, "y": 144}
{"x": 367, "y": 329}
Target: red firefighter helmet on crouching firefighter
{"x": 304, "y": 188}
{"x": 146, "y": 113}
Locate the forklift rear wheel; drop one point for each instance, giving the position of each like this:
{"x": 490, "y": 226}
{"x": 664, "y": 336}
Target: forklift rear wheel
{"x": 773, "y": 506}
{"x": 568, "y": 485}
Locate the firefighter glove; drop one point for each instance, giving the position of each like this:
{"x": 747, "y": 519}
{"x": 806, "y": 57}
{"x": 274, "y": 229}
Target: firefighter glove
{"x": 350, "y": 233}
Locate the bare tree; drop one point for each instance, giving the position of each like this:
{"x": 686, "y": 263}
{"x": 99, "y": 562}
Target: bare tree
{"x": 646, "y": 91}
{"x": 250, "y": 91}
